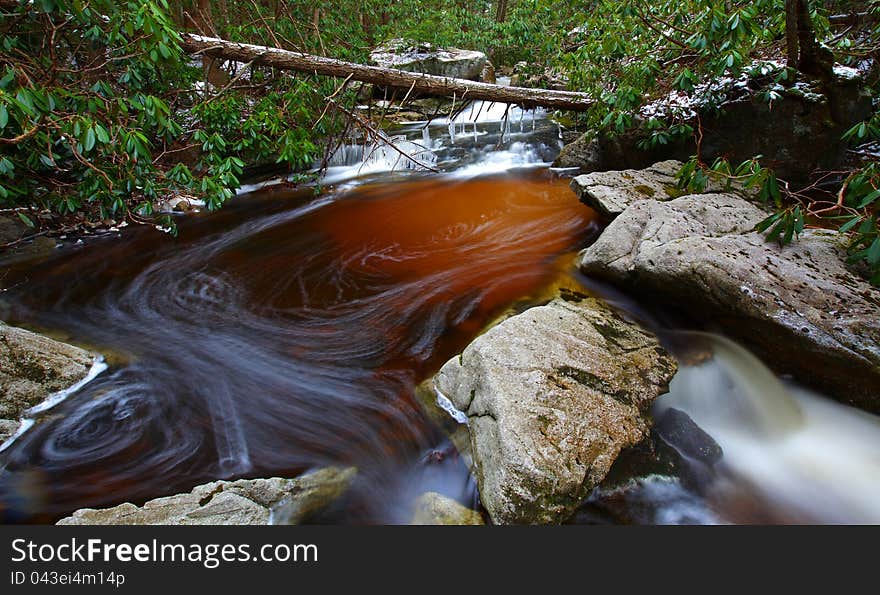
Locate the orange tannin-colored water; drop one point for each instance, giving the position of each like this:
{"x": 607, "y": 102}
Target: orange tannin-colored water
{"x": 285, "y": 332}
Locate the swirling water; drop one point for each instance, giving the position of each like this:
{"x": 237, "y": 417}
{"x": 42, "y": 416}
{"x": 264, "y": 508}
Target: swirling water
{"x": 283, "y": 333}
{"x": 288, "y": 331}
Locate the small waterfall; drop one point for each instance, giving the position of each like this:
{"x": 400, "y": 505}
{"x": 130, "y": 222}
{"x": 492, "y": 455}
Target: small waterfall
{"x": 393, "y": 154}
{"x": 482, "y": 138}
{"x": 809, "y": 458}
{"x": 754, "y": 398}
{"x": 398, "y": 154}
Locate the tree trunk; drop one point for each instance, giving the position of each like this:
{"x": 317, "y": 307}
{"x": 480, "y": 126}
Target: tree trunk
{"x": 802, "y": 49}
{"x": 501, "y": 11}
{"x": 791, "y": 33}
{"x": 389, "y": 77}
{"x": 809, "y": 47}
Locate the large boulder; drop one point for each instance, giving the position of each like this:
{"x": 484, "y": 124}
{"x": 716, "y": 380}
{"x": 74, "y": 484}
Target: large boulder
{"x": 426, "y": 58}
{"x": 800, "y": 131}
{"x": 550, "y": 397}
{"x": 609, "y": 193}
{"x": 798, "y": 307}
{"x": 242, "y": 502}
{"x": 32, "y": 367}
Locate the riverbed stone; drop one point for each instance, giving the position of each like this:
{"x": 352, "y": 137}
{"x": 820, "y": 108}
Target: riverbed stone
{"x": 798, "y": 307}
{"x": 242, "y": 502}
{"x": 436, "y": 509}
{"x": 413, "y": 56}
{"x": 551, "y": 397}
{"x": 33, "y": 366}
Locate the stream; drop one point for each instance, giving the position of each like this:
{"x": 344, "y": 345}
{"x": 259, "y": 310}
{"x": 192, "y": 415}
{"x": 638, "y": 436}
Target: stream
{"x": 288, "y": 331}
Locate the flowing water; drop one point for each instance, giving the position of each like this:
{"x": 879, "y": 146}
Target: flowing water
{"x": 790, "y": 455}
{"x": 288, "y": 331}
{"x": 283, "y": 333}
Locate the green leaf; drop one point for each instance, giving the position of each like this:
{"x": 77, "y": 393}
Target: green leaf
{"x": 776, "y": 231}
{"x": 25, "y": 219}
{"x": 850, "y": 224}
{"x": 89, "y": 140}
{"x": 102, "y": 135}
{"x": 798, "y": 221}
{"x": 4, "y": 116}
{"x": 873, "y": 254}
{"x": 25, "y": 102}
{"x": 869, "y": 199}
{"x": 789, "y": 229}
{"x": 763, "y": 225}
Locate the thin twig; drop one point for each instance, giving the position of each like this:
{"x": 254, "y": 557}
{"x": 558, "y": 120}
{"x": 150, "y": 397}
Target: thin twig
{"x": 379, "y": 135}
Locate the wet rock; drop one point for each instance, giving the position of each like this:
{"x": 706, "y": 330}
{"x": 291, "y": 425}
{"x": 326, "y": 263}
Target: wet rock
{"x": 426, "y": 58}
{"x": 242, "y": 502}
{"x": 798, "y": 307}
{"x": 33, "y": 366}
{"x": 692, "y": 452}
{"x": 435, "y": 509}
{"x": 678, "y": 429}
{"x": 13, "y": 229}
{"x": 676, "y": 448}
{"x": 611, "y": 192}
{"x": 551, "y": 396}
{"x": 453, "y": 423}
{"x": 584, "y": 152}
{"x": 179, "y": 204}
{"x": 8, "y": 427}
{"x": 311, "y": 494}
{"x": 650, "y": 500}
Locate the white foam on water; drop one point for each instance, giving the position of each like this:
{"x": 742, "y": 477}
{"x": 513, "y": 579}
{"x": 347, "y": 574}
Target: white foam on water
{"x": 53, "y": 400}
{"x": 446, "y": 405}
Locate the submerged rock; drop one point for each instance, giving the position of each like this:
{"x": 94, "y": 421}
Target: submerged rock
{"x": 32, "y": 367}
{"x": 426, "y": 58}
{"x": 551, "y": 397}
{"x": 242, "y": 502}
{"x": 798, "y": 307}
{"x": 435, "y": 509}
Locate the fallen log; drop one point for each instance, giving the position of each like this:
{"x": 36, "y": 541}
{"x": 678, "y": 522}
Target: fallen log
{"x": 413, "y": 82}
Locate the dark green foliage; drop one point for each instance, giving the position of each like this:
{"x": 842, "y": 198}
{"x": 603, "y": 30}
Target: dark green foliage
{"x": 103, "y": 114}
{"x": 630, "y": 53}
